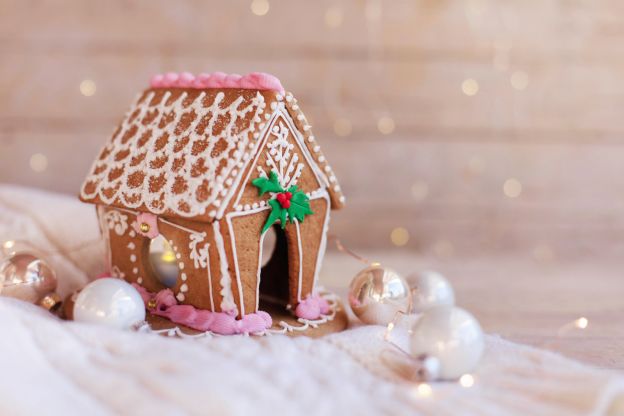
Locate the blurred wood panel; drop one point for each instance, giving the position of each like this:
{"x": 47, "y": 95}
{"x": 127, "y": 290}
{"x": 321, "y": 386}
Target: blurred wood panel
{"x": 439, "y": 174}
{"x": 419, "y": 95}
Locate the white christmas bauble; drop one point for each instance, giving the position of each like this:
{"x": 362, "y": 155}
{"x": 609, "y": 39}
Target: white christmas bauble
{"x": 111, "y": 302}
{"x": 453, "y": 336}
{"x": 430, "y": 289}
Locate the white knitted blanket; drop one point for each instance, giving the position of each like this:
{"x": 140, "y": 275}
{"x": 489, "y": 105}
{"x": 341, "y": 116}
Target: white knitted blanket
{"x": 54, "y": 367}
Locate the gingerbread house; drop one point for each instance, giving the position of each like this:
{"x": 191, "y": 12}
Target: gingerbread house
{"x": 212, "y": 164}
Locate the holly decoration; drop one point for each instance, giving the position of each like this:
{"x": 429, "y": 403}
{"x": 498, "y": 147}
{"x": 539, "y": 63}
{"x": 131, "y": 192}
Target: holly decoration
{"x": 291, "y": 204}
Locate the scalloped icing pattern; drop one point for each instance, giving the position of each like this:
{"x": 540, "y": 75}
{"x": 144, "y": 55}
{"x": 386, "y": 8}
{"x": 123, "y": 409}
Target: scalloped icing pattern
{"x": 136, "y": 169}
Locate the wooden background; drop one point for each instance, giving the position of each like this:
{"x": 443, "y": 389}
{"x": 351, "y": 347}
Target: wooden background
{"x": 547, "y": 113}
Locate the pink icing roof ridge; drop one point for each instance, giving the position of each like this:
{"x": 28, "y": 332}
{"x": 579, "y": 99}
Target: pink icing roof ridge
{"x": 252, "y": 81}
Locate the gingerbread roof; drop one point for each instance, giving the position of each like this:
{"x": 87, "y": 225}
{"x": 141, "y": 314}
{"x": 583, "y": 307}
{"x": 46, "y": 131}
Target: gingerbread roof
{"x": 183, "y": 146}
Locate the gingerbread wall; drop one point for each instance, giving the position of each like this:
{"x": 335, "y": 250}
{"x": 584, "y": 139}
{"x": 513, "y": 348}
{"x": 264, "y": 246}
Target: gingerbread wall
{"x": 129, "y": 255}
{"x": 248, "y": 213}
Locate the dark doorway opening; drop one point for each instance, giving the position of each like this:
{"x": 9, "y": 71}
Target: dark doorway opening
{"x": 274, "y": 286}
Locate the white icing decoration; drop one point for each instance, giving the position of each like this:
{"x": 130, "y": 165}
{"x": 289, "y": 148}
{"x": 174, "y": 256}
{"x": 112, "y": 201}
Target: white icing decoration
{"x": 333, "y": 302}
{"x": 323, "y": 246}
{"x": 174, "y": 332}
{"x": 199, "y": 256}
{"x": 116, "y": 221}
{"x": 226, "y": 282}
{"x": 300, "y": 251}
{"x": 133, "y": 197}
{"x": 116, "y": 272}
{"x": 281, "y": 159}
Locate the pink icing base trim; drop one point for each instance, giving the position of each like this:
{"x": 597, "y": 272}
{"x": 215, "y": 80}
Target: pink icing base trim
{"x": 164, "y": 304}
{"x": 252, "y": 81}
{"x": 312, "y": 307}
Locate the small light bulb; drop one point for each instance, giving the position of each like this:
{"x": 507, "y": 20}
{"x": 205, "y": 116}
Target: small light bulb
{"x": 581, "y": 323}
{"x": 512, "y": 188}
{"x": 424, "y": 390}
{"x": 38, "y": 162}
{"x": 342, "y": 127}
{"x": 385, "y": 125}
{"x": 260, "y": 7}
{"x": 467, "y": 380}
{"x": 470, "y": 87}
{"x": 87, "y": 87}
{"x": 399, "y": 236}
{"x": 388, "y": 331}
{"x": 168, "y": 256}
{"x": 519, "y": 80}
{"x": 333, "y": 17}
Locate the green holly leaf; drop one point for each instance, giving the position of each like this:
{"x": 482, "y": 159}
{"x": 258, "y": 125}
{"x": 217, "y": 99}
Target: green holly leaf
{"x": 277, "y": 213}
{"x": 299, "y": 205}
{"x": 270, "y": 184}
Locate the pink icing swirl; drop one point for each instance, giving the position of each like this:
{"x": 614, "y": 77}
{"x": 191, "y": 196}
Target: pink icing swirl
{"x": 164, "y": 304}
{"x": 312, "y": 307}
{"x": 252, "y": 81}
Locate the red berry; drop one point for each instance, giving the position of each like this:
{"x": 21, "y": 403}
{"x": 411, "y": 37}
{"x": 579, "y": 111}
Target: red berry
{"x": 284, "y": 199}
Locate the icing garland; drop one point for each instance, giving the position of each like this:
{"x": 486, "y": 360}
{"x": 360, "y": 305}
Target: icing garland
{"x": 254, "y": 80}
{"x": 291, "y": 204}
{"x": 164, "y": 304}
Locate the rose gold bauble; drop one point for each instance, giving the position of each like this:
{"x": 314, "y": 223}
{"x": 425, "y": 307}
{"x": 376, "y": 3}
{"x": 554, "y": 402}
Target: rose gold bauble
{"x": 377, "y": 293}
{"x": 26, "y": 277}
